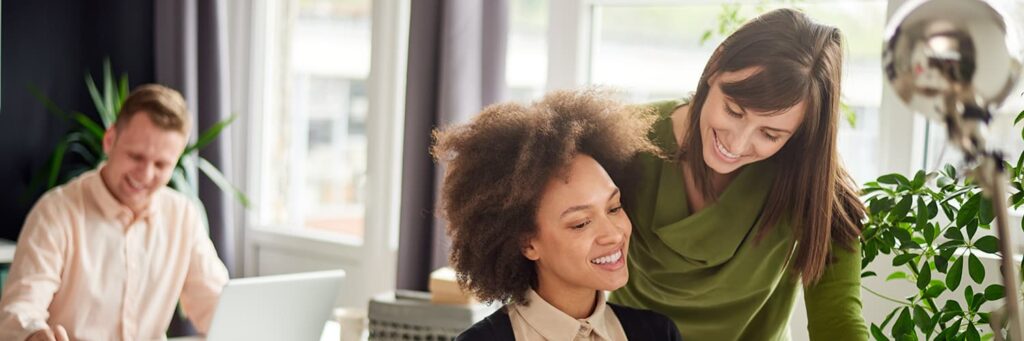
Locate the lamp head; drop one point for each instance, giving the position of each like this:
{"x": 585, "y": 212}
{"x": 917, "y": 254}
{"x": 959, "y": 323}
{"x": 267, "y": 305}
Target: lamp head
{"x": 954, "y": 61}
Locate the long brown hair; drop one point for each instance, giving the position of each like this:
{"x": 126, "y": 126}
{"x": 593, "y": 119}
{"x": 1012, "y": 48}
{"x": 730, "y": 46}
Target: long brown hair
{"x": 798, "y": 60}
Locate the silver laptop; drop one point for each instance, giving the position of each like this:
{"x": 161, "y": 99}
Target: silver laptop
{"x": 283, "y": 307}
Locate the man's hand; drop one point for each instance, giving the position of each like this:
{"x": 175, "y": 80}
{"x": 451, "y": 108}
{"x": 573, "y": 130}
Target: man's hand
{"x": 57, "y": 333}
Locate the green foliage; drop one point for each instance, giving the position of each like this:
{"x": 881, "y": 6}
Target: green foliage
{"x": 935, "y": 226}
{"x": 85, "y": 139}
{"x": 730, "y": 18}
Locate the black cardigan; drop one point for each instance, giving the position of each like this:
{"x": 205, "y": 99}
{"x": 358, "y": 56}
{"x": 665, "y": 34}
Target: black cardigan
{"x": 637, "y": 323}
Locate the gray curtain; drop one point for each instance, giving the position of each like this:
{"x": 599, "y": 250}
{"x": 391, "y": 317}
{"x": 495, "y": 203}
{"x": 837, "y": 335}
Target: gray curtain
{"x": 191, "y": 56}
{"x": 191, "y": 52}
{"x": 456, "y": 67}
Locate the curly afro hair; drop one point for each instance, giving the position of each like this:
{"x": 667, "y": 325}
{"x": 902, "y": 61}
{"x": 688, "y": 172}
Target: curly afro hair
{"x": 499, "y": 163}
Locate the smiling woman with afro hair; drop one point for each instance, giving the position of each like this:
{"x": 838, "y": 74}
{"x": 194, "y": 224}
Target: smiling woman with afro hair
{"x": 533, "y": 212}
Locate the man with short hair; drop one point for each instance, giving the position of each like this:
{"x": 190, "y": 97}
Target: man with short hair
{"x": 108, "y": 255}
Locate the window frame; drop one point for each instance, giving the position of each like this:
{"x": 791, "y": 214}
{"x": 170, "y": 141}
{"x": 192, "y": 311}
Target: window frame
{"x": 370, "y": 264}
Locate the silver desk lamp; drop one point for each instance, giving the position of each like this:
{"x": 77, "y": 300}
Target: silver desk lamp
{"x": 955, "y": 61}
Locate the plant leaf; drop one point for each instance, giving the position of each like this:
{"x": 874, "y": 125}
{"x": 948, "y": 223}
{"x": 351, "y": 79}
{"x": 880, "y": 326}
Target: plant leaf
{"x": 922, "y": 221}
{"x": 906, "y": 241}
{"x": 922, "y": 319}
{"x": 985, "y": 214}
{"x": 180, "y": 183}
{"x": 994, "y": 292}
{"x": 918, "y": 180}
{"x": 903, "y": 259}
{"x": 953, "y": 234}
{"x": 904, "y": 324}
{"x": 211, "y": 133}
{"x": 1017, "y": 198}
{"x": 880, "y": 205}
{"x": 1020, "y": 161}
{"x": 988, "y": 244}
{"x": 979, "y": 299}
{"x": 935, "y": 289}
{"x": 705, "y": 37}
{"x": 943, "y": 181}
{"x": 83, "y": 153}
{"x": 950, "y": 331}
{"x": 969, "y": 296}
{"x": 955, "y": 273}
{"x": 941, "y": 262}
{"x": 952, "y": 307}
{"x": 122, "y": 90}
{"x": 97, "y": 100}
{"x": 951, "y": 244}
{"x": 924, "y": 277}
{"x": 848, "y": 112}
{"x": 888, "y": 318}
{"x": 896, "y": 275}
{"x": 948, "y": 211}
{"x": 894, "y": 179}
{"x": 976, "y": 269}
{"x": 108, "y": 88}
{"x": 902, "y": 208}
{"x": 94, "y": 143}
{"x": 972, "y": 332}
{"x": 972, "y": 228}
{"x": 969, "y": 210}
{"x": 950, "y": 171}
{"x": 215, "y": 175}
{"x": 56, "y": 161}
{"x": 877, "y": 333}
{"x": 88, "y": 123}
{"x": 47, "y": 103}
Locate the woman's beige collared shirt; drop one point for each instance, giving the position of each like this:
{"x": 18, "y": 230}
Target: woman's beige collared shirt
{"x": 539, "y": 320}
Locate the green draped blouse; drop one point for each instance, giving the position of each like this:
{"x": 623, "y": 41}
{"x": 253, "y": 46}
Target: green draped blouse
{"x": 711, "y": 274}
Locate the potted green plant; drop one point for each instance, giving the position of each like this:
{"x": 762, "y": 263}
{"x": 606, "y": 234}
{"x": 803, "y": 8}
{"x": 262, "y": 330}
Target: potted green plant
{"x": 934, "y": 227}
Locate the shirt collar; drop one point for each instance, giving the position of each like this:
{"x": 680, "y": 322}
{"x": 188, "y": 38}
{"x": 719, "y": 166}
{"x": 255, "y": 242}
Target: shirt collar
{"x": 554, "y": 324}
{"x": 109, "y": 206}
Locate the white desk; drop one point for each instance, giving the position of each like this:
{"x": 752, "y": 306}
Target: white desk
{"x": 332, "y": 332}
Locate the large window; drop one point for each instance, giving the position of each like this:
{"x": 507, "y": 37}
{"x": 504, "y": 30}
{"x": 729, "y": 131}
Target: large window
{"x": 526, "y": 57}
{"x": 314, "y": 151}
{"x": 326, "y": 98}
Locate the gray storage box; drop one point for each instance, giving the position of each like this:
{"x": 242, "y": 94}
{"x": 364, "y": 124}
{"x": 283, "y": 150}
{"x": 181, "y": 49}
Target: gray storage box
{"x": 409, "y": 315}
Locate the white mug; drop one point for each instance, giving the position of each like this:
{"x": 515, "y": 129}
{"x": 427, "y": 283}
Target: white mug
{"x": 352, "y": 323}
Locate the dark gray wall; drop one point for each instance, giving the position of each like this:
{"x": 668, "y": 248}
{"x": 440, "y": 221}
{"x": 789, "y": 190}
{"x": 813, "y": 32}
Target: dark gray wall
{"x": 50, "y": 44}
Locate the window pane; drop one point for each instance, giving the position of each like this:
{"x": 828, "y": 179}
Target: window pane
{"x": 655, "y": 52}
{"x": 526, "y": 57}
{"x": 651, "y": 52}
{"x": 316, "y": 176}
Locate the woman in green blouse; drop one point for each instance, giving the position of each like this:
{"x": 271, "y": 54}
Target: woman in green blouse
{"x": 755, "y": 204}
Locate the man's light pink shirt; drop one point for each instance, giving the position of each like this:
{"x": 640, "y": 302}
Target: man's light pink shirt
{"x": 88, "y": 263}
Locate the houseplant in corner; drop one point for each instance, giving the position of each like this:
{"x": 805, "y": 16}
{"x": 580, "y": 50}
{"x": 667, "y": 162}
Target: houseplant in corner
{"x": 935, "y": 226}
{"x": 85, "y": 141}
